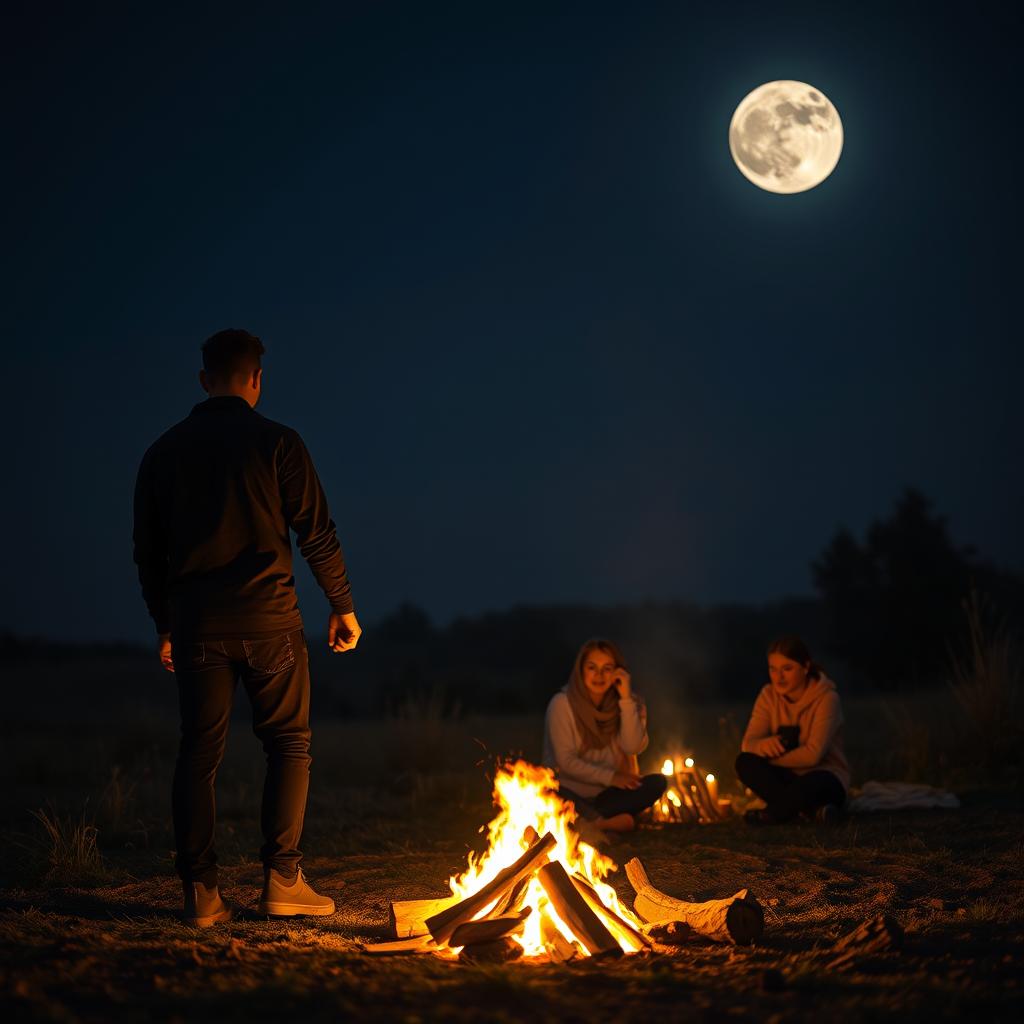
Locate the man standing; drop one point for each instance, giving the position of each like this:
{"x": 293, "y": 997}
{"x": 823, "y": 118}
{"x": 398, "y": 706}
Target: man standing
{"x": 214, "y": 500}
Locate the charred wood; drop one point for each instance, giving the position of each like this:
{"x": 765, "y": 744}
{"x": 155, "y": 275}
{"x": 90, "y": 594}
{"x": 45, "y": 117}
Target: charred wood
{"x": 573, "y": 909}
{"x": 499, "y": 951}
{"x": 490, "y": 929}
{"x": 443, "y": 924}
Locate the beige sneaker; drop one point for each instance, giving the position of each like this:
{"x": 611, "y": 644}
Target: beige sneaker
{"x": 287, "y": 899}
{"x": 203, "y": 905}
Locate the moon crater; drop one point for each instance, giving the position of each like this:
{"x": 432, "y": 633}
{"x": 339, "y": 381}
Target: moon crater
{"x": 786, "y": 136}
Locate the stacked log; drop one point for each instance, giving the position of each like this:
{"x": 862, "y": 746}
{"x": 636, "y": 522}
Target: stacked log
{"x": 483, "y": 925}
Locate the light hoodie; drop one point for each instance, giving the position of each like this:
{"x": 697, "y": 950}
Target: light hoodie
{"x": 820, "y": 718}
{"x": 588, "y": 773}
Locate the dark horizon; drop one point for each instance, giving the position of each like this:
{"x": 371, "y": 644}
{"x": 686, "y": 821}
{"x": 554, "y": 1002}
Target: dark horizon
{"x": 545, "y": 343}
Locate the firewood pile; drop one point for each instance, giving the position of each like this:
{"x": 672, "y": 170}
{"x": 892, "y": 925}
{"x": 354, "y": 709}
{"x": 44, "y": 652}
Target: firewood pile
{"x": 691, "y": 795}
{"x": 449, "y": 926}
{"x": 484, "y": 925}
{"x": 538, "y": 893}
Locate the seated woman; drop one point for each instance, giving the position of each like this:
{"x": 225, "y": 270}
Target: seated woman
{"x": 793, "y": 748}
{"x": 594, "y": 728}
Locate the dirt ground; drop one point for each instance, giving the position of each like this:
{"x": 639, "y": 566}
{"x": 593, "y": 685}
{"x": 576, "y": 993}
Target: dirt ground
{"x": 953, "y": 880}
{"x": 394, "y": 808}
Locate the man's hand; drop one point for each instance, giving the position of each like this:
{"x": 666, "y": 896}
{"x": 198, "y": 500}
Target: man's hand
{"x": 163, "y": 650}
{"x": 771, "y": 747}
{"x": 343, "y": 631}
{"x": 626, "y": 780}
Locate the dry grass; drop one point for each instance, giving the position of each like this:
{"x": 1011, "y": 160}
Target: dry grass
{"x": 66, "y": 851}
{"x": 952, "y": 880}
{"x": 88, "y": 926}
{"x": 987, "y": 682}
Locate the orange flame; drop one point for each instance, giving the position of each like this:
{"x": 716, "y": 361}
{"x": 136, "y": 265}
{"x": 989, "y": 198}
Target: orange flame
{"x": 527, "y": 799}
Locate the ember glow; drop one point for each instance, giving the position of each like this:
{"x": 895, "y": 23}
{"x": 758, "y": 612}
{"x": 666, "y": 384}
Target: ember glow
{"x": 529, "y": 805}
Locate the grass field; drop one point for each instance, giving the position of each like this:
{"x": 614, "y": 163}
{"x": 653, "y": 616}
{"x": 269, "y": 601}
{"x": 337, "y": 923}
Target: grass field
{"x": 88, "y": 922}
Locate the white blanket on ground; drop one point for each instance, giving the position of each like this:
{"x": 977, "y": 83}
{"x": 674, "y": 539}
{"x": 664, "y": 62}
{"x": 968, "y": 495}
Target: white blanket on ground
{"x": 899, "y": 796}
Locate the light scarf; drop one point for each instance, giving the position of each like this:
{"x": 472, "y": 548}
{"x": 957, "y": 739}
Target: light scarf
{"x": 598, "y": 725}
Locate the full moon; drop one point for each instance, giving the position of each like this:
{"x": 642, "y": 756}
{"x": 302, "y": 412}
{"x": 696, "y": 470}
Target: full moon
{"x": 786, "y": 136}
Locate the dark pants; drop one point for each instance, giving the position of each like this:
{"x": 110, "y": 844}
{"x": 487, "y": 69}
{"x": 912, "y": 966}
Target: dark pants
{"x": 613, "y": 800}
{"x": 275, "y": 673}
{"x": 784, "y": 791}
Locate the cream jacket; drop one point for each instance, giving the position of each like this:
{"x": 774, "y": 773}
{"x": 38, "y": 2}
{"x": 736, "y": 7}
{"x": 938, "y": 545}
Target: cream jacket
{"x": 820, "y": 718}
{"x": 587, "y": 773}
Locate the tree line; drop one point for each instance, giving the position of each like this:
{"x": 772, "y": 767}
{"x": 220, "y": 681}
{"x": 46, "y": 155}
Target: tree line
{"x": 888, "y": 613}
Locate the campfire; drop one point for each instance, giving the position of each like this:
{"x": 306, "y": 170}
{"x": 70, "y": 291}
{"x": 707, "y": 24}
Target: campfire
{"x": 691, "y": 794}
{"x": 538, "y": 892}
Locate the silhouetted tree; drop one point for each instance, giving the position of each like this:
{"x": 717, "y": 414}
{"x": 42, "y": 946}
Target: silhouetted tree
{"x": 894, "y": 602}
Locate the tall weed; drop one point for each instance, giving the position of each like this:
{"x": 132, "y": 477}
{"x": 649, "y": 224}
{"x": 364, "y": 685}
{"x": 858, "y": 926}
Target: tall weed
{"x": 985, "y": 681}
{"x": 70, "y": 848}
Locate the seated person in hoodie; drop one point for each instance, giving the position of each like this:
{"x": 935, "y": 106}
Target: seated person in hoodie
{"x": 594, "y": 728}
{"x": 793, "y": 747}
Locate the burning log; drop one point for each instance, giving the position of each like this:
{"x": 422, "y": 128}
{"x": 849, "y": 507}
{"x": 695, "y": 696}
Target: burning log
{"x": 407, "y": 918}
{"x": 490, "y": 929}
{"x": 558, "y": 947}
{"x": 636, "y": 939}
{"x": 708, "y": 807}
{"x": 416, "y": 944}
{"x": 692, "y": 810}
{"x": 879, "y": 934}
{"x": 737, "y": 919}
{"x": 513, "y": 902}
{"x": 442, "y": 925}
{"x": 573, "y": 909}
{"x": 498, "y": 952}
{"x": 691, "y": 796}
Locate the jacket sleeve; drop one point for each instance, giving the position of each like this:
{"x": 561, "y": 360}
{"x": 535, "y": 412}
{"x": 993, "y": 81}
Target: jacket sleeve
{"x": 306, "y": 512}
{"x": 632, "y": 726}
{"x": 759, "y": 726}
{"x": 558, "y": 723}
{"x": 827, "y": 718}
{"x": 149, "y": 538}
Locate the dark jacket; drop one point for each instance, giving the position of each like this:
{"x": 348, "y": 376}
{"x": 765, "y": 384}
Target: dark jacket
{"x": 214, "y": 500}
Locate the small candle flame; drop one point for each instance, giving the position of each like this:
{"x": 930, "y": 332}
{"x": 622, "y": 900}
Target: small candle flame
{"x": 668, "y": 767}
{"x": 710, "y": 777}
{"x": 689, "y": 762}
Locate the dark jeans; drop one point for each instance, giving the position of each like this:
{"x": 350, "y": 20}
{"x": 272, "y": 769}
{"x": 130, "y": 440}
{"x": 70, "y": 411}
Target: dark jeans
{"x": 613, "y": 800}
{"x": 275, "y": 673}
{"x": 784, "y": 791}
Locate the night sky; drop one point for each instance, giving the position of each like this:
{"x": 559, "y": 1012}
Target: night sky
{"x": 543, "y": 340}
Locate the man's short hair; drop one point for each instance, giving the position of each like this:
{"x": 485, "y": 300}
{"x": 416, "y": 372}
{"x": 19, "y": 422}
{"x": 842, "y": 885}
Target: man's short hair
{"x": 231, "y": 353}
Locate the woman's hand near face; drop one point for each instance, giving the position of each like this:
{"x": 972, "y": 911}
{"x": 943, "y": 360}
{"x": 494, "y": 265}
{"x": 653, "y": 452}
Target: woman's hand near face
{"x": 626, "y": 780}
{"x": 624, "y": 681}
{"x": 771, "y": 747}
